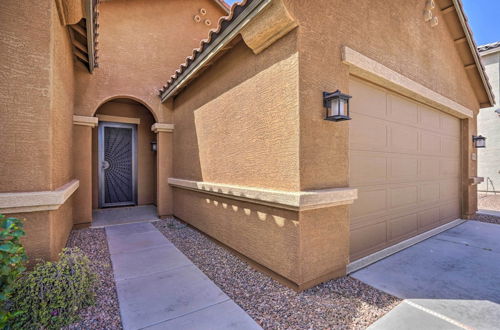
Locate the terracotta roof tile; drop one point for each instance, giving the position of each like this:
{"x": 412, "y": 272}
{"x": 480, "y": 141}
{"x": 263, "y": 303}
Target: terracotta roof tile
{"x": 491, "y": 46}
{"x": 236, "y": 9}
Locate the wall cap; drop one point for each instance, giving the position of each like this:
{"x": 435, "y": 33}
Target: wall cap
{"x": 159, "y": 127}
{"x": 366, "y": 68}
{"x": 85, "y": 121}
{"x": 291, "y": 200}
{"x": 476, "y": 180}
{"x": 119, "y": 119}
{"x": 21, "y": 202}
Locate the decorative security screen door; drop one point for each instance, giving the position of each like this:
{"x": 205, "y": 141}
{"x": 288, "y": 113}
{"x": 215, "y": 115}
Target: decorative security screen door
{"x": 117, "y": 164}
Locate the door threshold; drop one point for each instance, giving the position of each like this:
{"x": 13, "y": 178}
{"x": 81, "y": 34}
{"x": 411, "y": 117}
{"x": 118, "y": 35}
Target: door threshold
{"x": 374, "y": 257}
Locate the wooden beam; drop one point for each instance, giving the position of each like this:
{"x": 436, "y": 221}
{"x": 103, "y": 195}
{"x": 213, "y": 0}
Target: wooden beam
{"x": 448, "y": 10}
{"x": 80, "y": 56}
{"x": 461, "y": 40}
{"x": 470, "y": 66}
{"x": 80, "y": 46}
{"x": 79, "y": 29}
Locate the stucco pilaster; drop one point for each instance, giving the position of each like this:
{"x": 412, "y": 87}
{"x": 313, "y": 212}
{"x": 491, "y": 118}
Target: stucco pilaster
{"x": 164, "y": 140}
{"x": 469, "y": 168}
{"x": 82, "y": 167}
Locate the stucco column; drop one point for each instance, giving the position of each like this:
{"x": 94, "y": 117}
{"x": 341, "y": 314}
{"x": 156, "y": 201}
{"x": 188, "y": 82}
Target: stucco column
{"x": 82, "y": 168}
{"x": 164, "y": 201}
{"x": 469, "y": 168}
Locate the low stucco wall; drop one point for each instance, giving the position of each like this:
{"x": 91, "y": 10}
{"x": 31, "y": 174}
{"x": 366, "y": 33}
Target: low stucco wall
{"x": 46, "y": 232}
{"x": 304, "y": 247}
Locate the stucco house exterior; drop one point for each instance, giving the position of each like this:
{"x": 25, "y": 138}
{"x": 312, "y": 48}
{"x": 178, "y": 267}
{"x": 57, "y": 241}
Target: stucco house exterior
{"x": 101, "y": 108}
{"x": 488, "y": 123}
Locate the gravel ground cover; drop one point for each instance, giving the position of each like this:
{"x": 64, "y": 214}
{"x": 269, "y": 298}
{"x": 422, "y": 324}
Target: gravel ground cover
{"x": 488, "y": 202}
{"x": 486, "y": 218}
{"x": 345, "y": 303}
{"x": 105, "y": 314}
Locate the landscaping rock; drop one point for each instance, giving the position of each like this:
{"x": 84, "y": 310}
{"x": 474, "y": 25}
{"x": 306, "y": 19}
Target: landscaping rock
{"x": 345, "y": 303}
{"x": 105, "y": 314}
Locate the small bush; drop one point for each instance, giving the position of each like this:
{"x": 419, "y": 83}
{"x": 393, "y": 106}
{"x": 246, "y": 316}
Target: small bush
{"x": 51, "y": 295}
{"x": 12, "y": 263}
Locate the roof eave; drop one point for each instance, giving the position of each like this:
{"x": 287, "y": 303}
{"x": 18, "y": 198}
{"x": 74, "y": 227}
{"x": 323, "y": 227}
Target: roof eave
{"x": 231, "y": 32}
{"x": 89, "y": 8}
{"x": 223, "y": 5}
{"x": 489, "y": 52}
{"x": 474, "y": 51}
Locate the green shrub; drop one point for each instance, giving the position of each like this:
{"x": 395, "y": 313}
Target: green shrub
{"x": 51, "y": 295}
{"x": 12, "y": 262}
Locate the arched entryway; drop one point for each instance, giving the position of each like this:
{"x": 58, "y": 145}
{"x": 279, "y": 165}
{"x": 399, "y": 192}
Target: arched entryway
{"x": 124, "y": 162}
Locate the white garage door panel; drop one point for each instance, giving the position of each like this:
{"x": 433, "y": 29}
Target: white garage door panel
{"x": 405, "y": 162}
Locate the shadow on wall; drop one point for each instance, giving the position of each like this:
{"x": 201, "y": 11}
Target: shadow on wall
{"x": 230, "y": 125}
{"x": 267, "y": 235}
{"x": 262, "y": 216}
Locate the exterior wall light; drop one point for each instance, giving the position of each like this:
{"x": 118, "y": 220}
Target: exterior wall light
{"x": 154, "y": 146}
{"x": 479, "y": 141}
{"x": 337, "y": 106}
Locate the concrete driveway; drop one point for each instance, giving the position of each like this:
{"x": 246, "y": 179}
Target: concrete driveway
{"x": 449, "y": 281}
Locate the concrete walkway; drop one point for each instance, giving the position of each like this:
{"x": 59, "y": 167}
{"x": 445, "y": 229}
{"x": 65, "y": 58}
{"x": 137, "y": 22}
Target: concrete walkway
{"x": 449, "y": 281}
{"x": 489, "y": 212}
{"x": 122, "y": 215}
{"x": 160, "y": 288}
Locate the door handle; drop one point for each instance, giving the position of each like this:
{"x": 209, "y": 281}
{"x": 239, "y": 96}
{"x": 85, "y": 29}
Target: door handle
{"x": 105, "y": 165}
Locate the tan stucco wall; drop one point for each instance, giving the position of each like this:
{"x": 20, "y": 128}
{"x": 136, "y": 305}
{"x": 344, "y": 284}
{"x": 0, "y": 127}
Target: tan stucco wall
{"x": 238, "y": 123}
{"x": 392, "y": 33}
{"x": 25, "y": 96}
{"x": 146, "y": 159}
{"x": 266, "y": 235}
{"x": 36, "y": 120}
{"x": 140, "y": 45}
{"x": 47, "y": 231}
{"x": 82, "y": 167}
{"x": 62, "y": 93}
{"x": 221, "y": 123}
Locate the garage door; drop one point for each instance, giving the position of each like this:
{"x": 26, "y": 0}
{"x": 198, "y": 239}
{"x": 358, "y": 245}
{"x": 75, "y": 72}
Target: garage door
{"x": 405, "y": 162}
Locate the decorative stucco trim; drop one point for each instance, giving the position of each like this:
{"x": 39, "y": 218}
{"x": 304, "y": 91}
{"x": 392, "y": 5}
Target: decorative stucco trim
{"x": 118, "y": 119}
{"x": 85, "y": 121}
{"x": 290, "y": 200}
{"x": 21, "y": 202}
{"x": 274, "y": 23}
{"x": 475, "y": 180}
{"x": 372, "y": 258}
{"x": 91, "y": 21}
{"x": 366, "y": 68}
{"x": 159, "y": 127}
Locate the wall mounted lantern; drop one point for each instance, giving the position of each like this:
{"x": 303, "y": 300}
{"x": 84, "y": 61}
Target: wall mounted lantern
{"x": 498, "y": 112}
{"x": 154, "y": 146}
{"x": 337, "y": 106}
{"x": 479, "y": 141}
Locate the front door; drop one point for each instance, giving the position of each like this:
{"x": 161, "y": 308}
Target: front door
{"x": 117, "y": 164}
